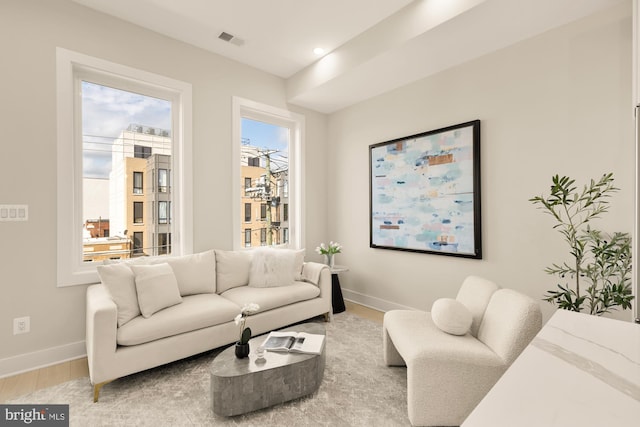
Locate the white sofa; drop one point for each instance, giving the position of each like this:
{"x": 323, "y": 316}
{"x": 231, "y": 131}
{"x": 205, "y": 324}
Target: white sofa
{"x": 151, "y": 312}
{"x": 458, "y": 351}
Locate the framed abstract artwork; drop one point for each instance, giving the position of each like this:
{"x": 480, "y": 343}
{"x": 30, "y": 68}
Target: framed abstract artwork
{"x": 424, "y": 192}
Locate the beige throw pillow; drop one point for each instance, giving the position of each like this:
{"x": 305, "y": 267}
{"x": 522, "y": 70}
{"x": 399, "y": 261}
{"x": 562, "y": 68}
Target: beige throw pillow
{"x": 120, "y": 282}
{"x": 196, "y": 274}
{"x": 232, "y": 269}
{"x": 156, "y": 286}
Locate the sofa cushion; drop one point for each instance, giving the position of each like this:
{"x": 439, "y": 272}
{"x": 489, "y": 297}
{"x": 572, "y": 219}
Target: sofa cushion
{"x": 195, "y": 312}
{"x": 451, "y": 316}
{"x": 272, "y": 267}
{"x": 120, "y": 282}
{"x": 196, "y": 273}
{"x": 156, "y": 286}
{"x": 270, "y": 298}
{"x": 232, "y": 269}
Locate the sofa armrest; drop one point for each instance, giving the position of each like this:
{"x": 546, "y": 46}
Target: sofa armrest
{"x": 312, "y": 272}
{"x": 319, "y": 275}
{"x": 101, "y": 330}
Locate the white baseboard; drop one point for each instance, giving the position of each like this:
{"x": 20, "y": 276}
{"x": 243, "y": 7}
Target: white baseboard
{"x": 372, "y": 302}
{"x": 40, "y": 359}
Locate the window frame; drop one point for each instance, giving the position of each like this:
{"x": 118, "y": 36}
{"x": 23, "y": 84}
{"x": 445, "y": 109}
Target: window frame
{"x": 245, "y": 108}
{"x": 71, "y": 69}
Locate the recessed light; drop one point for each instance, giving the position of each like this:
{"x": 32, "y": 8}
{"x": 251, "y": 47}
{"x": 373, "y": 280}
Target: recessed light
{"x": 318, "y": 51}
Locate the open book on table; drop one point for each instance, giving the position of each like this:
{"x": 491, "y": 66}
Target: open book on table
{"x": 294, "y": 342}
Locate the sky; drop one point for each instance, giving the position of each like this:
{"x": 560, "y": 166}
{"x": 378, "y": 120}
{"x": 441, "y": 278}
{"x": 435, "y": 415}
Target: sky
{"x": 105, "y": 113}
{"x": 267, "y": 136}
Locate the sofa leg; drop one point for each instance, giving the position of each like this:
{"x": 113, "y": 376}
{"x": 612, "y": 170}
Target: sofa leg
{"x": 327, "y": 317}
{"x": 96, "y": 390}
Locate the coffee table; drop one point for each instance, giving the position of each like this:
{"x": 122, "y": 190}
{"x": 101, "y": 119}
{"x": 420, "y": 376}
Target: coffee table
{"x": 239, "y": 386}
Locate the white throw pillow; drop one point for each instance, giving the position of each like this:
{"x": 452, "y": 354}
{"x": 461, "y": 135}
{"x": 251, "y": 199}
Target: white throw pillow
{"x": 196, "y": 274}
{"x": 156, "y": 286}
{"x": 272, "y": 267}
{"x": 298, "y": 263}
{"x": 232, "y": 269}
{"x": 120, "y": 282}
{"x": 451, "y": 316}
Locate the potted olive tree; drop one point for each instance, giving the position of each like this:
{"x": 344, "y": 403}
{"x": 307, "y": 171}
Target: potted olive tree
{"x": 598, "y": 277}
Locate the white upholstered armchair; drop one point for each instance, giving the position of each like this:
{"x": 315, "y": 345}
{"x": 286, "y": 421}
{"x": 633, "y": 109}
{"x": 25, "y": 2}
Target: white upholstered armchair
{"x": 448, "y": 373}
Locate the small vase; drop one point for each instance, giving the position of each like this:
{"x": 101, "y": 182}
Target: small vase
{"x": 242, "y": 350}
{"x": 330, "y": 260}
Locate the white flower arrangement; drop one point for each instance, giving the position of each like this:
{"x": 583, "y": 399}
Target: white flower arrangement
{"x": 241, "y": 319}
{"x": 333, "y": 248}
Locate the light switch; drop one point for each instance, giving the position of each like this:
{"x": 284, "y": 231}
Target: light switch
{"x": 14, "y": 212}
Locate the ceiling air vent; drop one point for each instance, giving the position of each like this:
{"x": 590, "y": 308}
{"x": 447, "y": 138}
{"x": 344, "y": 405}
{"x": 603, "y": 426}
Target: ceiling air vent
{"x": 231, "y": 38}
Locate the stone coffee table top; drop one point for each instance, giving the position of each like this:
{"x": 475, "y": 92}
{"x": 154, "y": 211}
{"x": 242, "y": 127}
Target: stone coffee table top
{"x": 239, "y": 386}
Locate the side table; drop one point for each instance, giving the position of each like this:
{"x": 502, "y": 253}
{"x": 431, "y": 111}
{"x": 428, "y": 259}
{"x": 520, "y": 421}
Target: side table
{"x": 337, "y": 301}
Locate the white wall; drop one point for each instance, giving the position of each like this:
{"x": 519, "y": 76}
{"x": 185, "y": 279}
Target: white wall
{"x": 558, "y": 103}
{"x": 30, "y": 31}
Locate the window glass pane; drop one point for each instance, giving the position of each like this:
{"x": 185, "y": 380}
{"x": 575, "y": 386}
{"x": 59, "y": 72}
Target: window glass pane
{"x": 137, "y": 182}
{"x": 162, "y": 212}
{"x": 264, "y": 165}
{"x": 163, "y": 180}
{"x": 126, "y": 137}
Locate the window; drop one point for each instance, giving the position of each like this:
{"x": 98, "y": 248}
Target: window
{"x": 285, "y": 212}
{"x": 140, "y": 151}
{"x": 247, "y": 212}
{"x": 137, "y": 213}
{"x": 164, "y": 243}
{"x": 119, "y": 155}
{"x": 163, "y": 180}
{"x": 268, "y": 149}
{"x": 138, "y": 245}
{"x": 137, "y": 182}
{"x": 263, "y": 236}
{"x": 247, "y": 185}
{"x": 247, "y": 238}
{"x": 163, "y": 212}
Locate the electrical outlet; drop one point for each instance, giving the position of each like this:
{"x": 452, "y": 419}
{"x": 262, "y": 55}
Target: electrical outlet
{"x": 21, "y": 325}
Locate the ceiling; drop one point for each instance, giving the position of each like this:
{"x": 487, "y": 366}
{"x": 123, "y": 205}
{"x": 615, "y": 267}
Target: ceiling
{"x": 373, "y": 46}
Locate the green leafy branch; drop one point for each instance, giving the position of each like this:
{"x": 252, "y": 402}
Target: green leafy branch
{"x": 603, "y": 261}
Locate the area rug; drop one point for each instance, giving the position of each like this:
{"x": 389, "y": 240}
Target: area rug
{"x": 357, "y": 390}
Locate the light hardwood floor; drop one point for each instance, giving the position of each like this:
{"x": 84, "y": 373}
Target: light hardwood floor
{"x": 28, "y": 382}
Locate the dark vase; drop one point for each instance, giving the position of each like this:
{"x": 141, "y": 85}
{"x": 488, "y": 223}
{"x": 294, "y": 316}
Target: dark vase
{"x": 242, "y": 350}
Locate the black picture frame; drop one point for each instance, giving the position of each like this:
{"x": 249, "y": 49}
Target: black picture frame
{"x": 424, "y": 192}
